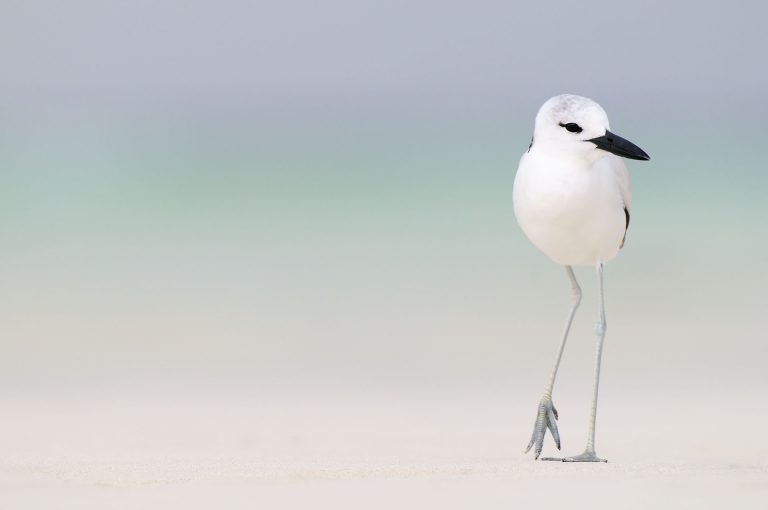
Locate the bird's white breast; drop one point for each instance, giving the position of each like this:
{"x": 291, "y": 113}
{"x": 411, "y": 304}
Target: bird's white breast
{"x": 571, "y": 211}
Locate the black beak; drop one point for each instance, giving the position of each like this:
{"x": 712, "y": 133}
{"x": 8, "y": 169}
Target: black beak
{"x": 619, "y": 146}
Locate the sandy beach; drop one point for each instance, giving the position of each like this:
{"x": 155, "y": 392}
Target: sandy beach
{"x": 377, "y": 450}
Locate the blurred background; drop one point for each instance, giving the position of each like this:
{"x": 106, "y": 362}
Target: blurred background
{"x": 270, "y": 197}
{"x": 294, "y": 192}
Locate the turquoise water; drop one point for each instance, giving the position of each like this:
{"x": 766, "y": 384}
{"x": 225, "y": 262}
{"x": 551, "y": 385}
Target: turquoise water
{"x": 247, "y": 253}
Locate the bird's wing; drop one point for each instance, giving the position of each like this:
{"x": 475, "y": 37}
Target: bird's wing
{"x": 622, "y": 179}
{"x": 615, "y": 165}
{"x": 625, "y": 188}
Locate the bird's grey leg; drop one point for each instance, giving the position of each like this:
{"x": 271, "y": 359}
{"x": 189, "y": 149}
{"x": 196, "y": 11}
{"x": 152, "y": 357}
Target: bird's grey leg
{"x": 547, "y": 414}
{"x": 589, "y": 454}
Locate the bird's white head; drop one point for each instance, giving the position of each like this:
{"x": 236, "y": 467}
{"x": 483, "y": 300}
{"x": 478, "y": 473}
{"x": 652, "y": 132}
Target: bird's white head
{"x": 577, "y": 126}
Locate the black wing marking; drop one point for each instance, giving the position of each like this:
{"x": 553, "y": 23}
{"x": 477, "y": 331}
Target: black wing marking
{"x": 530, "y": 145}
{"x": 626, "y": 215}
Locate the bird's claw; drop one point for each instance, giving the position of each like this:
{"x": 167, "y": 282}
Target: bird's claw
{"x": 546, "y": 418}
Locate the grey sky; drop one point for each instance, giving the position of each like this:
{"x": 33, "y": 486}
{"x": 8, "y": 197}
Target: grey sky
{"x": 197, "y": 55}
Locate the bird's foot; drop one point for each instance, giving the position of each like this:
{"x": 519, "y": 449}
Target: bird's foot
{"x": 587, "y": 456}
{"x": 545, "y": 419}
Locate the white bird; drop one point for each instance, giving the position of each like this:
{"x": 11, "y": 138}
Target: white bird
{"x": 572, "y": 198}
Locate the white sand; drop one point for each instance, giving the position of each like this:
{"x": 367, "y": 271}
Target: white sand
{"x": 374, "y": 450}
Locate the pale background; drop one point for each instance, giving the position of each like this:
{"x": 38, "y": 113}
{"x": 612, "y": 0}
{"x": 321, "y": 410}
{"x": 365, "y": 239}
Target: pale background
{"x": 265, "y": 253}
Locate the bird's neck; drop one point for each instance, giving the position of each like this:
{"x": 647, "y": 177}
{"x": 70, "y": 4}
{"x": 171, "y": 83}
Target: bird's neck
{"x": 545, "y": 154}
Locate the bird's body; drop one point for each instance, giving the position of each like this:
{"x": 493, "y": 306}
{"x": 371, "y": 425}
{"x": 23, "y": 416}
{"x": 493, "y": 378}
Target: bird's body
{"x": 572, "y": 198}
{"x": 574, "y": 213}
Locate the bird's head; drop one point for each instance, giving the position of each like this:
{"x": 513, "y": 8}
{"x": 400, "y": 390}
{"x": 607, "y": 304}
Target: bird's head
{"x": 578, "y": 127}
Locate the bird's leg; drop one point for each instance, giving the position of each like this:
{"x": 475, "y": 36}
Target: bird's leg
{"x": 589, "y": 454}
{"x": 547, "y": 414}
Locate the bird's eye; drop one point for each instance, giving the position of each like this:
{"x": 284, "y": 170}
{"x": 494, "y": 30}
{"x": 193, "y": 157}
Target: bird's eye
{"x": 572, "y": 127}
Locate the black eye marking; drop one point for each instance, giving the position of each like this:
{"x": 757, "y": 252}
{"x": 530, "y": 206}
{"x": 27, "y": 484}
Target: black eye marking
{"x": 572, "y": 127}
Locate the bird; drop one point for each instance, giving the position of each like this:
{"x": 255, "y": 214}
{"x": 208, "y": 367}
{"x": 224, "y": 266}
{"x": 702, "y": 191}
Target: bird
{"x": 572, "y": 199}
